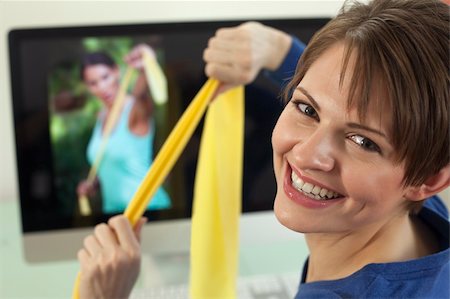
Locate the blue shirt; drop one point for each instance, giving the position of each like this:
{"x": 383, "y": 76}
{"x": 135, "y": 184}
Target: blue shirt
{"x": 426, "y": 277}
{"x": 125, "y": 162}
{"x": 286, "y": 70}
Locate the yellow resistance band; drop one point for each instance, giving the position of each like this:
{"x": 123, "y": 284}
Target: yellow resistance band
{"x": 166, "y": 157}
{"x": 158, "y": 88}
{"x": 156, "y": 79}
{"x": 217, "y": 200}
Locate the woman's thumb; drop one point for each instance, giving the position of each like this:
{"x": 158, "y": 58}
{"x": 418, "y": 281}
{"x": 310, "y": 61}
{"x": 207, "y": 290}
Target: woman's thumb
{"x": 138, "y": 227}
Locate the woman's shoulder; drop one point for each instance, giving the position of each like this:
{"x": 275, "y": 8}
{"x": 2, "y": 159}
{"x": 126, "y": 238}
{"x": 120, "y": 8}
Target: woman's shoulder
{"x": 436, "y": 205}
{"x": 434, "y": 214}
{"x": 422, "y": 278}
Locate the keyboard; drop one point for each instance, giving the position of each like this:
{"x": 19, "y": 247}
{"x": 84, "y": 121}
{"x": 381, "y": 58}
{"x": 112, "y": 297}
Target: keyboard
{"x": 267, "y": 286}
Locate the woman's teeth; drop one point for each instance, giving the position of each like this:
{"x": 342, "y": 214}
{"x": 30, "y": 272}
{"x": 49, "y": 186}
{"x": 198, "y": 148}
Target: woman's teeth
{"x": 310, "y": 190}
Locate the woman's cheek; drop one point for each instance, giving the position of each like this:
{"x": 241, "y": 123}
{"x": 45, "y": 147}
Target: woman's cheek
{"x": 282, "y": 139}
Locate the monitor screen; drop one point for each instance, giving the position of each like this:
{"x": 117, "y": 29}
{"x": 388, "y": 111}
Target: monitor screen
{"x": 58, "y": 111}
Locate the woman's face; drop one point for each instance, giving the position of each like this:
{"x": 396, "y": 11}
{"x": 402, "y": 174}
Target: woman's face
{"x": 102, "y": 81}
{"x": 322, "y": 150}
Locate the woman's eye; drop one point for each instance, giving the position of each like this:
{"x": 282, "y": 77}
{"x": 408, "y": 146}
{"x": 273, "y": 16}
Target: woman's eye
{"x": 365, "y": 143}
{"x": 307, "y": 110}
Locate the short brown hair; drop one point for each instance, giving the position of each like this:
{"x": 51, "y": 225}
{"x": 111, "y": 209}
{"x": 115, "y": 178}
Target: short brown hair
{"x": 405, "y": 44}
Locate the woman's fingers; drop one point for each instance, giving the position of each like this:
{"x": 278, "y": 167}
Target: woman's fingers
{"x": 118, "y": 232}
{"x": 105, "y": 236}
{"x": 124, "y": 232}
{"x": 135, "y": 56}
{"x": 230, "y": 56}
{"x": 236, "y": 55}
{"x": 82, "y": 188}
{"x": 110, "y": 259}
{"x": 86, "y": 188}
{"x": 83, "y": 256}
{"x": 92, "y": 245}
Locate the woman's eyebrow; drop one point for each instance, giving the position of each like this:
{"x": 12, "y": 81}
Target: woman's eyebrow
{"x": 306, "y": 93}
{"x": 366, "y": 128}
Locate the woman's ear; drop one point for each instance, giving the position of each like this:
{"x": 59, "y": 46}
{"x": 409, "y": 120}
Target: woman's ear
{"x": 432, "y": 185}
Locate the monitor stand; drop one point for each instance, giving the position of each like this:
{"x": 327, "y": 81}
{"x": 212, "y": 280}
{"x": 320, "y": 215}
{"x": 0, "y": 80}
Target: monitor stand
{"x": 266, "y": 247}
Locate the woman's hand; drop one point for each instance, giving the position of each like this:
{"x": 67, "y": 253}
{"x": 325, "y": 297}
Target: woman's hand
{"x": 135, "y": 57}
{"x": 236, "y": 55}
{"x": 87, "y": 188}
{"x": 110, "y": 259}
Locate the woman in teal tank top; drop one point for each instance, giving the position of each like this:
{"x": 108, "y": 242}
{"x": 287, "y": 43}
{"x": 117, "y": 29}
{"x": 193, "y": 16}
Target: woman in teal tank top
{"x": 129, "y": 150}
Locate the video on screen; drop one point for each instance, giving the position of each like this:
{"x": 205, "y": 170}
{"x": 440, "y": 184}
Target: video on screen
{"x": 106, "y": 166}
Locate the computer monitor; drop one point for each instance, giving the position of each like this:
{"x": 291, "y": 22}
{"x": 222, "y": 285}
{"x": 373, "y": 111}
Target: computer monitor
{"x": 54, "y": 116}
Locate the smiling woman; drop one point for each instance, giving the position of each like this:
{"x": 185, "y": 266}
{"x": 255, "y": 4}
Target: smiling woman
{"x": 368, "y": 123}
{"x": 324, "y": 143}
{"x": 361, "y": 148}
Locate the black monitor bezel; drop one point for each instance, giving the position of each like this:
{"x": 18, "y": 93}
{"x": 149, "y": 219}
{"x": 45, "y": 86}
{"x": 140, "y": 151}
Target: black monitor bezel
{"x": 48, "y": 220}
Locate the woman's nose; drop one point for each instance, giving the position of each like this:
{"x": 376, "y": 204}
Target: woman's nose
{"x": 102, "y": 85}
{"x": 315, "y": 152}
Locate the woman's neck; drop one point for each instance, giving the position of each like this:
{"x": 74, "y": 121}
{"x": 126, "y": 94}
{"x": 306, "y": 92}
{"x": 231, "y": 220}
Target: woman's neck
{"x": 338, "y": 255}
{"x": 106, "y": 111}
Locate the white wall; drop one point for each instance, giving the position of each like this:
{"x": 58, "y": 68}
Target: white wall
{"x": 26, "y": 14}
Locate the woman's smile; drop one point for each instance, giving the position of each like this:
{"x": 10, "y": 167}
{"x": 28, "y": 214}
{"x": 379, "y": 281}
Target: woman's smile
{"x": 307, "y": 192}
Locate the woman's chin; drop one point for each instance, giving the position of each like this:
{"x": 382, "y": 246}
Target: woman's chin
{"x": 287, "y": 217}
